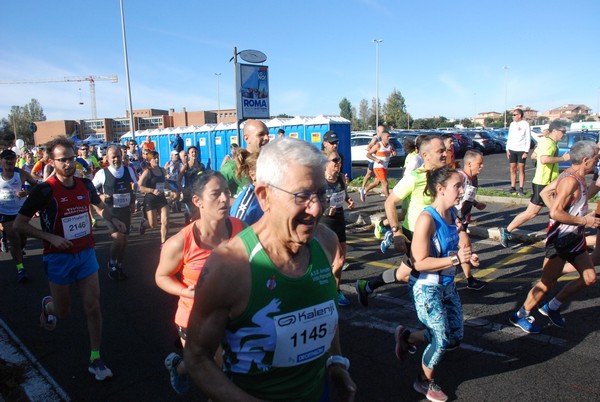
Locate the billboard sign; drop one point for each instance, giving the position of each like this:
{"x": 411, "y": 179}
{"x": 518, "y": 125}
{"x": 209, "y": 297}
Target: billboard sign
{"x": 253, "y": 91}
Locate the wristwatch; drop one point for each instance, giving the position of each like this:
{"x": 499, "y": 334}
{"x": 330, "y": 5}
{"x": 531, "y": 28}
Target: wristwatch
{"x": 394, "y": 229}
{"x": 454, "y": 258}
{"x": 338, "y": 359}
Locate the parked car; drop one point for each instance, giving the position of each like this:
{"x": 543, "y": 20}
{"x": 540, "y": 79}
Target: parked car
{"x": 358, "y": 150}
{"x": 482, "y": 141}
{"x": 567, "y": 142}
{"x": 499, "y": 141}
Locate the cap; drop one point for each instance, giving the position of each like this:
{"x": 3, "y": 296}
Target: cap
{"x": 174, "y": 152}
{"x": 8, "y": 153}
{"x": 331, "y": 137}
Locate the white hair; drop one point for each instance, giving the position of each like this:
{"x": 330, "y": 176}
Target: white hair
{"x": 272, "y": 164}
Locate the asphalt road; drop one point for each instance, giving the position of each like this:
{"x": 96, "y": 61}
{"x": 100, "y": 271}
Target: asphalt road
{"x": 495, "y": 362}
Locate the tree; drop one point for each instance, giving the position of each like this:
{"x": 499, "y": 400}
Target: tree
{"x": 346, "y": 109}
{"x": 283, "y": 115}
{"x": 363, "y": 114}
{"x": 394, "y": 110}
{"x": 371, "y": 121}
{"x": 467, "y": 123}
{"x": 20, "y": 119}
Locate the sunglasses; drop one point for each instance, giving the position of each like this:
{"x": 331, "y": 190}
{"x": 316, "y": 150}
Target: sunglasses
{"x": 516, "y": 114}
{"x": 335, "y": 160}
{"x": 64, "y": 160}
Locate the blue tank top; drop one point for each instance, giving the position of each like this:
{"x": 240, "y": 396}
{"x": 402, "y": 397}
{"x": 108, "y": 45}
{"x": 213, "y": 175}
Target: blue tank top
{"x": 443, "y": 242}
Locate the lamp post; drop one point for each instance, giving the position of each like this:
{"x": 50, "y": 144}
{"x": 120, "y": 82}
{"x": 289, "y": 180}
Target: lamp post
{"x": 218, "y": 97}
{"x": 377, "y": 42}
{"x": 505, "y": 92}
{"x": 132, "y": 128}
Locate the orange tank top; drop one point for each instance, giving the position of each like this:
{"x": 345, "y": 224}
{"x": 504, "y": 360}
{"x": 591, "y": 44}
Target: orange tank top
{"x": 194, "y": 258}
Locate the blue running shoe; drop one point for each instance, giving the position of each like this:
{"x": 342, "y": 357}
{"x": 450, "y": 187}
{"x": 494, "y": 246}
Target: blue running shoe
{"x": 342, "y": 300}
{"x": 388, "y": 241}
{"x": 99, "y": 370}
{"x": 553, "y": 315}
{"x": 180, "y": 383}
{"x": 526, "y": 324}
{"x": 362, "y": 193}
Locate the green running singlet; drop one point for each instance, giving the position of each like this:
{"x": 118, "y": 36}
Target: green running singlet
{"x": 277, "y": 348}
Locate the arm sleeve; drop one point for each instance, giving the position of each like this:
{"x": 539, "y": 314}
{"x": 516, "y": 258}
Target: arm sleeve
{"x": 98, "y": 180}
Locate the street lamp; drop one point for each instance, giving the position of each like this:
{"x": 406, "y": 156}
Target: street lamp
{"x": 377, "y": 42}
{"x": 505, "y": 92}
{"x": 218, "y": 97}
{"x": 132, "y": 128}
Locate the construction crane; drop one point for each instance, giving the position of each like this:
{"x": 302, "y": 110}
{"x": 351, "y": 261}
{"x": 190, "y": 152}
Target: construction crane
{"x": 90, "y": 78}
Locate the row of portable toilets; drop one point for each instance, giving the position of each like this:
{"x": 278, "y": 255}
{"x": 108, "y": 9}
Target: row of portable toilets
{"x": 214, "y": 140}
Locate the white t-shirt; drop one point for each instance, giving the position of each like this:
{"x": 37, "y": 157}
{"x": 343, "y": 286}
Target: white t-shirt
{"x": 519, "y": 137}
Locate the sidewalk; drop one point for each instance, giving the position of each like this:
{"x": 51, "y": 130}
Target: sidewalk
{"x": 499, "y": 212}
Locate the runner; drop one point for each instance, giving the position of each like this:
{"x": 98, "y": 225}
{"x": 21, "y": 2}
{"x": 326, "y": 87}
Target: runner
{"x": 246, "y": 206}
{"x": 376, "y": 138}
{"x": 185, "y": 254}
{"x": 152, "y": 184}
{"x": 252, "y": 290}
{"x": 173, "y": 168}
{"x": 436, "y": 255}
{"x": 565, "y": 241}
{"x": 380, "y": 153}
{"x": 69, "y": 254}
{"x": 333, "y": 215}
{"x": 13, "y": 184}
{"x": 117, "y": 186}
{"x": 191, "y": 170}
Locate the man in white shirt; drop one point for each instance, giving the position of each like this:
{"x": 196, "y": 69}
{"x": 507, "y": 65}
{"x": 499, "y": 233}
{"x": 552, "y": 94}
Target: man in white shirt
{"x": 517, "y": 148}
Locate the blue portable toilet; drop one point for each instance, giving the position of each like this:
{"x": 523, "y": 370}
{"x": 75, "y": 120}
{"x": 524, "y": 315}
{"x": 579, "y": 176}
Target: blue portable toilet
{"x": 317, "y": 127}
{"x": 275, "y": 124}
{"x": 294, "y": 128}
{"x": 220, "y": 142}
{"x": 203, "y": 135}
{"x": 162, "y": 144}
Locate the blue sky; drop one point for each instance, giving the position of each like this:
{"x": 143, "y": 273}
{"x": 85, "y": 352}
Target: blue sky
{"x": 446, "y": 57}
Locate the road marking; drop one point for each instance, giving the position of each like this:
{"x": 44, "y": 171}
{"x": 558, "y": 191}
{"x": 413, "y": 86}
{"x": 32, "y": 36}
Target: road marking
{"x": 38, "y": 385}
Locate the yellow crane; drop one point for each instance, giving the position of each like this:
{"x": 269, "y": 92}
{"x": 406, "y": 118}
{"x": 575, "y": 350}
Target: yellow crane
{"x": 90, "y": 78}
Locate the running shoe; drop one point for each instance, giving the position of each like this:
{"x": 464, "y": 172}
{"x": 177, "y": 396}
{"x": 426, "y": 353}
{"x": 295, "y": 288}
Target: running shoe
{"x": 379, "y": 229}
{"x": 521, "y": 193}
{"x": 553, "y": 315}
{"x": 180, "y": 383}
{"x": 47, "y": 321}
{"x": 21, "y": 275}
{"x": 4, "y": 247}
{"x": 342, "y": 300}
{"x": 93, "y": 222}
{"x": 512, "y": 191}
{"x": 113, "y": 273}
{"x": 504, "y": 237}
{"x": 142, "y": 227}
{"x": 388, "y": 241}
{"x": 526, "y": 324}
{"x": 99, "y": 370}
{"x": 345, "y": 266}
{"x": 475, "y": 284}
{"x": 362, "y": 193}
{"x": 402, "y": 346}
{"x": 363, "y": 295}
{"x": 430, "y": 389}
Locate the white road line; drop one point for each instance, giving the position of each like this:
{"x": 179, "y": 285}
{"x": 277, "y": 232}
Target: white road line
{"x": 38, "y": 385}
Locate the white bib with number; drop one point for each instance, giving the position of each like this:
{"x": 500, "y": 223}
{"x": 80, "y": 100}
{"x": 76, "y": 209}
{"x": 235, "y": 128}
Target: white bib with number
{"x": 121, "y": 200}
{"x": 76, "y": 226}
{"x": 337, "y": 199}
{"x": 304, "y": 335}
{"x": 7, "y": 194}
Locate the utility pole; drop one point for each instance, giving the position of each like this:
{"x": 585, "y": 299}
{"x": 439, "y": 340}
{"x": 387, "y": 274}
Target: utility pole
{"x": 218, "y": 97}
{"x": 505, "y": 92}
